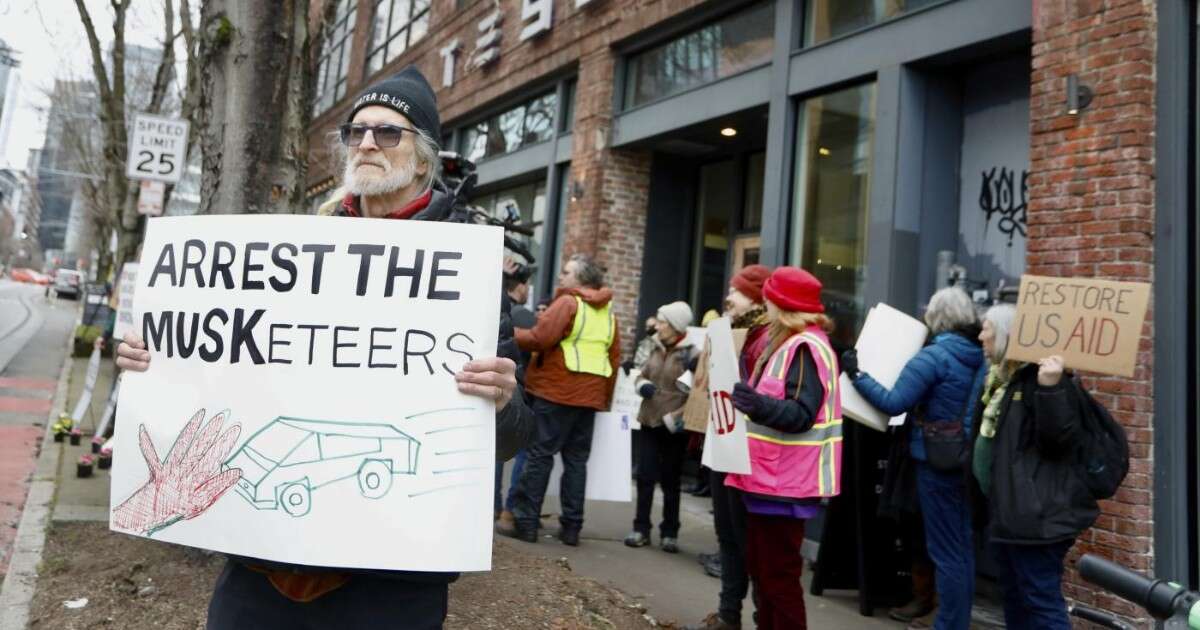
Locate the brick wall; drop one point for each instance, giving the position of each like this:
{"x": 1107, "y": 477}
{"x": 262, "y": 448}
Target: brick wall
{"x": 1091, "y": 214}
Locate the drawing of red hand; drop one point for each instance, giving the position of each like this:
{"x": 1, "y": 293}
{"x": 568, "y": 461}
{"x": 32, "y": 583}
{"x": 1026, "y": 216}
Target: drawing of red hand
{"x": 187, "y": 482}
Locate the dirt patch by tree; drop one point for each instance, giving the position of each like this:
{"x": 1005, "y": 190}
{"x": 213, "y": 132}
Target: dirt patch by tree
{"x": 132, "y": 583}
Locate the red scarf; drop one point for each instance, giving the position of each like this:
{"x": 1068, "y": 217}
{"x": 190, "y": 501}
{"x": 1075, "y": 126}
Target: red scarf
{"x": 350, "y": 205}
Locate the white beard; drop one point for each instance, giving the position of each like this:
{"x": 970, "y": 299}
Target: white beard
{"x": 370, "y": 182}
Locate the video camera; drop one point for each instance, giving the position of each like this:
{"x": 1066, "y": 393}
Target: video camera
{"x": 459, "y": 175}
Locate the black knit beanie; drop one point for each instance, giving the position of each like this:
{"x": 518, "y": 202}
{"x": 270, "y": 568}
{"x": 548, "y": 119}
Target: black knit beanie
{"x": 406, "y": 92}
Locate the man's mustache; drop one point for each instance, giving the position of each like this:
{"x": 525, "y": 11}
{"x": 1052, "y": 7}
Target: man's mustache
{"x": 384, "y": 164}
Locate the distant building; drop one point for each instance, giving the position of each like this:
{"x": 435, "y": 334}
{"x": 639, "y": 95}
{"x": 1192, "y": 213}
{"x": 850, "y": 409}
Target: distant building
{"x": 10, "y": 84}
{"x": 73, "y": 108}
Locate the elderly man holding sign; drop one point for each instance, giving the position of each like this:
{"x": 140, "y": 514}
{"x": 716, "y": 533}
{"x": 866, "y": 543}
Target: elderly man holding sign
{"x": 391, "y": 167}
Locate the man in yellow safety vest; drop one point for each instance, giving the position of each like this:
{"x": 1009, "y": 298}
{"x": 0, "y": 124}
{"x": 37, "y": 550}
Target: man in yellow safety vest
{"x": 571, "y": 374}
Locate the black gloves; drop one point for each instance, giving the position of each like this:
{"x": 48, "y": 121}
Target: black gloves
{"x": 850, "y": 363}
{"x": 647, "y": 390}
{"x": 749, "y": 401}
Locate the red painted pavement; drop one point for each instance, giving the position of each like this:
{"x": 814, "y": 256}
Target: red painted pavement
{"x": 18, "y": 457}
{"x": 28, "y": 383}
{"x": 15, "y": 404}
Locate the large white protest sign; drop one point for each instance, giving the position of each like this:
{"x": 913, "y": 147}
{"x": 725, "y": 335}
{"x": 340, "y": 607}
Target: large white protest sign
{"x": 889, "y": 338}
{"x": 301, "y": 404}
{"x": 725, "y": 445}
{"x": 610, "y": 464}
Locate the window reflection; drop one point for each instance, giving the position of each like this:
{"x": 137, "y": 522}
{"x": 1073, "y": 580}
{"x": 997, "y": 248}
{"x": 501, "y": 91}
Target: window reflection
{"x": 529, "y": 202}
{"x": 516, "y": 128}
{"x": 833, "y": 18}
{"x": 724, "y": 48}
{"x": 832, "y": 183}
{"x": 330, "y": 84}
{"x": 398, "y": 24}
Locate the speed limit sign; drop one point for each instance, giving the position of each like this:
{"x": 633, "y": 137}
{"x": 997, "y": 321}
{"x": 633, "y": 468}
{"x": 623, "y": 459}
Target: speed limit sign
{"x": 157, "y": 148}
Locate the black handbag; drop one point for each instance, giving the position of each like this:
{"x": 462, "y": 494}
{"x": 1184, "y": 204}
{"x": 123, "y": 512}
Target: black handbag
{"x": 946, "y": 443}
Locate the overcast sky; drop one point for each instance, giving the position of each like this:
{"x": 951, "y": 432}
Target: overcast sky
{"x": 51, "y": 44}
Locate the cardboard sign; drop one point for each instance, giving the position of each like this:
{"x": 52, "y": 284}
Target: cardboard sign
{"x": 301, "y": 404}
{"x": 126, "y": 286}
{"x": 725, "y": 444}
{"x": 1094, "y": 325}
{"x": 889, "y": 338}
{"x": 695, "y": 410}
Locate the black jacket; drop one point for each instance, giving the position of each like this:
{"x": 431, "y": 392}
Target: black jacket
{"x": 1037, "y": 494}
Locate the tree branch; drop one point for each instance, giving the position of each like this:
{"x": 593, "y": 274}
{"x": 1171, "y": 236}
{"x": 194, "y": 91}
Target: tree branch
{"x": 97, "y": 54}
{"x": 166, "y": 65}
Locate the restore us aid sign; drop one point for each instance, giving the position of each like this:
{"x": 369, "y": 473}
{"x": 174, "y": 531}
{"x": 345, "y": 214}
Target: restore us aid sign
{"x": 157, "y": 148}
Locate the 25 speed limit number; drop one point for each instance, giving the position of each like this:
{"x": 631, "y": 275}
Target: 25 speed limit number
{"x": 157, "y": 148}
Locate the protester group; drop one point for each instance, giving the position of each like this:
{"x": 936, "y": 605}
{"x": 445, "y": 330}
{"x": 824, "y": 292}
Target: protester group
{"x": 976, "y": 424}
{"x": 992, "y": 445}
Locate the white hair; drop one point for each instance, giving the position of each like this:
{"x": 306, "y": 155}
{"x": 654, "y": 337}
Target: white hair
{"x": 425, "y": 152}
{"x": 1001, "y": 317}
{"x": 950, "y": 309}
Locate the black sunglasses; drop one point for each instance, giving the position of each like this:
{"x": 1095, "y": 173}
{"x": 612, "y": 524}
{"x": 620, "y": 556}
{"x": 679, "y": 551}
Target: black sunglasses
{"x": 386, "y": 136}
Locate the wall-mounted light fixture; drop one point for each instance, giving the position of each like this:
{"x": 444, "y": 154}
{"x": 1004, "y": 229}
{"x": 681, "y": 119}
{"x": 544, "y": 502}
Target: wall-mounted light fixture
{"x": 1079, "y": 96}
{"x": 576, "y": 190}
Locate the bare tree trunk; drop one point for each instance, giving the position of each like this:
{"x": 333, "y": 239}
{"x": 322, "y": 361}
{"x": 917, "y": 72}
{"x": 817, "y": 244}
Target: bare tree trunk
{"x": 256, "y": 75}
{"x": 112, "y": 118}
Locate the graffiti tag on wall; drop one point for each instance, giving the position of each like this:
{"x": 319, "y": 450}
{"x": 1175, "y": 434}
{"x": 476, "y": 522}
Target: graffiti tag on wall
{"x": 1001, "y": 194}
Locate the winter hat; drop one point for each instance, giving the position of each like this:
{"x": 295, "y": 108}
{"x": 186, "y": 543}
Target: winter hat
{"x": 749, "y": 281}
{"x": 794, "y": 289}
{"x": 677, "y": 315}
{"x": 406, "y": 92}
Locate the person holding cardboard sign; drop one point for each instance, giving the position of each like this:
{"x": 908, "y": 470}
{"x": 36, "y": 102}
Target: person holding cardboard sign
{"x": 794, "y": 426}
{"x": 662, "y": 447}
{"x": 391, "y": 165}
{"x": 1025, "y": 461}
{"x": 939, "y": 388}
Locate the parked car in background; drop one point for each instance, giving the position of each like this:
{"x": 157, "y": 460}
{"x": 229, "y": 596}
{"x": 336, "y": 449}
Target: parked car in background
{"x": 22, "y": 274}
{"x": 68, "y": 283}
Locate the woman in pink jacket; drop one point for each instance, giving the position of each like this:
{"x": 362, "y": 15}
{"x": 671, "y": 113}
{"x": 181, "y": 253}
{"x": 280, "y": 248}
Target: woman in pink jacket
{"x": 794, "y": 424}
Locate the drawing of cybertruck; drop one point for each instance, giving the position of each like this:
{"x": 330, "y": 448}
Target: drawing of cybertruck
{"x": 290, "y": 458}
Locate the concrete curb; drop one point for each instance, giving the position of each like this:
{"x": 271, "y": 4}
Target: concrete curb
{"x": 16, "y": 595}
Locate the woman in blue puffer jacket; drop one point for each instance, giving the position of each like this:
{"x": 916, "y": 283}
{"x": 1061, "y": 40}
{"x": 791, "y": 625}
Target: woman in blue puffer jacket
{"x": 939, "y": 385}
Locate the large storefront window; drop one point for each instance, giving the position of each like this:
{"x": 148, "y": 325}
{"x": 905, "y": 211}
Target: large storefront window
{"x": 529, "y": 202}
{"x": 724, "y": 48}
{"x": 833, "y": 176}
{"x": 335, "y": 58}
{"x": 398, "y": 25}
{"x": 526, "y": 124}
{"x": 828, "y": 19}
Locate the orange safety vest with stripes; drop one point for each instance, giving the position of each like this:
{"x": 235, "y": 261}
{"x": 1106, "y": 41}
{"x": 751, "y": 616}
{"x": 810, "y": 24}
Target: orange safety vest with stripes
{"x": 797, "y": 465}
